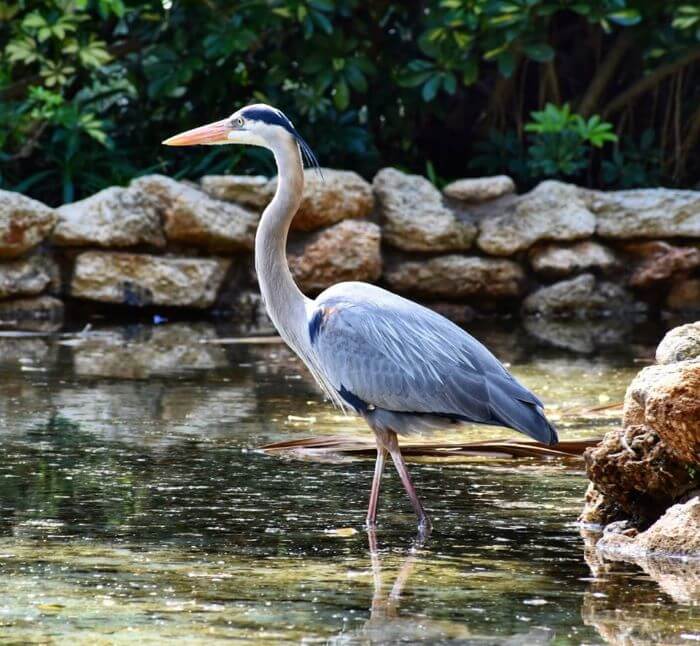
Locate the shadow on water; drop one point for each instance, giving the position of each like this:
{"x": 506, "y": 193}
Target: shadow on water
{"x": 134, "y": 506}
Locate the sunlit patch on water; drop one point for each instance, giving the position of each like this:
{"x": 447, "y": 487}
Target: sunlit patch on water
{"x": 135, "y": 508}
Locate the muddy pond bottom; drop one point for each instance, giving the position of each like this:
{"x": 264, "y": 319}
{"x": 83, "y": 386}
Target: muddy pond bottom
{"x": 134, "y": 507}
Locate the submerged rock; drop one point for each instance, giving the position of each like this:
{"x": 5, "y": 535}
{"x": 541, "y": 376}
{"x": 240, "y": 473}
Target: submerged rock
{"x": 348, "y": 250}
{"x": 248, "y": 190}
{"x": 557, "y": 261}
{"x": 679, "y": 344}
{"x": 27, "y": 276}
{"x": 476, "y": 190}
{"x": 415, "y": 217}
{"x": 647, "y": 213}
{"x": 551, "y": 211}
{"x": 40, "y": 314}
{"x": 141, "y": 279}
{"x": 455, "y": 276}
{"x": 24, "y": 223}
{"x": 114, "y": 217}
{"x": 676, "y": 533}
{"x": 580, "y": 297}
{"x": 191, "y": 217}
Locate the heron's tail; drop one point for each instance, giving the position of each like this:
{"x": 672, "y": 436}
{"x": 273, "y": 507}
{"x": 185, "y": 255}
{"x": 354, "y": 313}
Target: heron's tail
{"x": 526, "y": 417}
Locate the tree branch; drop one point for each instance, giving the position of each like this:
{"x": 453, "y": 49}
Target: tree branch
{"x": 605, "y": 73}
{"x": 650, "y": 81}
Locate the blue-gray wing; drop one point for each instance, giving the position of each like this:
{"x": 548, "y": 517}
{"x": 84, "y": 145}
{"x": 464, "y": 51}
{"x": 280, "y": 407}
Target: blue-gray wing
{"x": 381, "y": 351}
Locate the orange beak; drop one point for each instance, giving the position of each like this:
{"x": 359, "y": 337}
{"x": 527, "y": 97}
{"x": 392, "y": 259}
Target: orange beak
{"x": 209, "y": 135}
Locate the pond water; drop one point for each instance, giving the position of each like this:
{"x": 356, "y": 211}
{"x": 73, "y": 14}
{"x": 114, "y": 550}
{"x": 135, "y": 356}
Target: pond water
{"x": 135, "y": 507}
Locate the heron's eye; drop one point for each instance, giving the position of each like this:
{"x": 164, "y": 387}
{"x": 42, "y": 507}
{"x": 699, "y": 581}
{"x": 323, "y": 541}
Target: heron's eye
{"x": 238, "y": 122}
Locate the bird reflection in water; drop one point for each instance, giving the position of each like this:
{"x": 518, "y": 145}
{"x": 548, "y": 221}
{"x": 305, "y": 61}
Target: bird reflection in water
{"x": 387, "y": 626}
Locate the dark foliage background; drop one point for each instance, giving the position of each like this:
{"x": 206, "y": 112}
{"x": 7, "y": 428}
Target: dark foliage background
{"x": 605, "y": 92}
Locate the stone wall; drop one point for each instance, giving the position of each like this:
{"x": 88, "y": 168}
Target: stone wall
{"x": 477, "y": 247}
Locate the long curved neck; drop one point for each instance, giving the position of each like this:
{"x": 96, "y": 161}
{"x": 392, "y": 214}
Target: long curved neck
{"x": 285, "y": 303}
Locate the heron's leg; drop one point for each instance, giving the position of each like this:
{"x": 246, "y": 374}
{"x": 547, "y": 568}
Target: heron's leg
{"x": 376, "y": 480}
{"x": 391, "y": 443}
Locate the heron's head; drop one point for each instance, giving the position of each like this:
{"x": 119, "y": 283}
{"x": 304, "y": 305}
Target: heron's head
{"x": 255, "y": 125}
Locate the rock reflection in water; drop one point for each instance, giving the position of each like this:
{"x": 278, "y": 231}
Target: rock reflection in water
{"x": 142, "y": 351}
{"x": 622, "y": 605}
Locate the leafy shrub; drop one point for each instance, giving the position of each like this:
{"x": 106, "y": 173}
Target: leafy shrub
{"x": 89, "y": 88}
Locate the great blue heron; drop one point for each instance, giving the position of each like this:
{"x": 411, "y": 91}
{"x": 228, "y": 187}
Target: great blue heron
{"x": 401, "y": 366}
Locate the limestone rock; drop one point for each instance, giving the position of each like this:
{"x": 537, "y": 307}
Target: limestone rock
{"x": 634, "y": 469}
{"x": 556, "y": 261}
{"x": 248, "y": 190}
{"x": 27, "y": 276}
{"x": 684, "y": 295}
{"x": 480, "y": 189}
{"x": 551, "y": 211}
{"x": 338, "y": 195}
{"x": 647, "y": 213}
{"x": 147, "y": 351}
{"x": 458, "y": 313}
{"x": 676, "y": 533}
{"x": 40, "y": 313}
{"x": 191, "y": 217}
{"x": 114, "y": 217}
{"x": 661, "y": 261}
{"x": 24, "y": 223}
{"x": 679, "y": 344}
{"x": 349, "y": 250}
{"x": 141, "y": 279}
{"x": 455, "y": 276}
{"x": 415, "y": 217}
{"x": 579, "y": 297}
{"x": 669, "y": 395}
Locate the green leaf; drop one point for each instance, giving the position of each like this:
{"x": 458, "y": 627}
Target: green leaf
{"x": 506, "y": 63}
{"x": 341, "y": 96}
{"x": 470, "y": 73}
{"x": 540, "y": 52}
{"x": 626, "y": 18}
{"x": 431, "y": 87}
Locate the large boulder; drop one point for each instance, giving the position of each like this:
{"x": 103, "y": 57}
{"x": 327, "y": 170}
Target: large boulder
{"x": 114, "y": 217}
{"x": 24, "y": 223}
{"x": 329, "y": 198}
{"x": 557, "y": 261}
{"x": 647, "y": 213}
{"x": 248, "y": 190}
{"x": 667, "y": 398}
{"x": 454, "y": 277}
{"x": 579, "y": 297}
{"x": 415, "y": 217}
{"x": 676, "y": 533}
{"x": 637, "y": 474}
{"x": 141, "y": 279}
{"x": 475, "y": 190}
{"x": 660, "y": 261}
{"x": 679, "y": 344}
{"x": 684, "y": 295}
{"x": 349, "y": 250}
{"x": 551, "y": 211}
{"x": 191, "y": 217}
{"x": 27, "y": 276}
